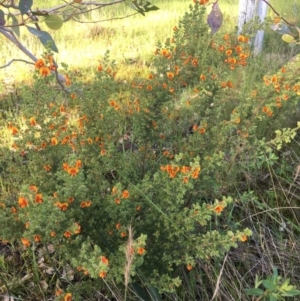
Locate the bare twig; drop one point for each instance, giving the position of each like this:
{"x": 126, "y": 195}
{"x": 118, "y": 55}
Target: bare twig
{"x": 15, "y": 60}
{"x": 278, "y": 14}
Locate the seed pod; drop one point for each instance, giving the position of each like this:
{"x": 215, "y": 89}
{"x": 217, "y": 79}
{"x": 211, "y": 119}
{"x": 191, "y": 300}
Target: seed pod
{"x": 215, "y": 18}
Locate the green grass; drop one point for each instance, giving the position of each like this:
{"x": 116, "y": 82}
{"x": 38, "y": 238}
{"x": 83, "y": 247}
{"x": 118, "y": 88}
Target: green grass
{"x": 132, "y": 39}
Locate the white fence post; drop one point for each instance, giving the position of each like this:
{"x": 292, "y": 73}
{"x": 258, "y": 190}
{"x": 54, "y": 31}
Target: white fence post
{"x": 261, "y": 11}
{"x": 246, "y": 13}
{"x": 247, "y": 10}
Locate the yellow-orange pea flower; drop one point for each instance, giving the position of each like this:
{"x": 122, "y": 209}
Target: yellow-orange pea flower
{"x": 25, "y": 242}
{"x": 39, "y": 64}
{"x": 125, "y": 194}
{"x": 44, "y": 71}
{"x": 68, "y": 297}
{"x": 22, "y": 202}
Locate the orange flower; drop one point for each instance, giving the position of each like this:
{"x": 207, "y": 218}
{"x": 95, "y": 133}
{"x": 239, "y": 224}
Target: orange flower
{"x": 150, "y": 76}
{"x": 226, "y": 37}
{"x": 102, "y": 274}
{"x": 65, "y": 166}
{"x": 112, "y": 103}
{"x": 68, "y": 80}
{"x": 195, "y": 62}
{"x": 118, "y": 226}
{"x": 25, "y": 242}
{"x": 14, "y": 210}
{"x": 22, "y": 202}
{"x": 54, "y": 141}
{"x": 52, "y": 234}
{"x": 70, "y": 199}
{"x": 85, "y": 204}
{"x": 44, "y": 71}
{"x": 229, "y": 84}
{"x": 100, "y": 68}
{"x": 61, "y": 206}
{"x": 13, "y": 129}
{"x": 117, "y": 201}
{"x": 104, "y": 260}
{"x": 164, "y": 85}
{"x": 102, "y": 152}
{"x": 219, "y": 208}
{"x": 125, "y": 194}
{"x": 78, "y": 163}
{"x": 196, "y": 172}
{"x": 73, "y": 95}
{"x": 58, "y": 292}
{"x": 185, "y": 169}
{"x": 67, "y": 234}
{"x": 244, "y": 238}
{"x": 238, "y": 49}
{"x": 170, "y": 75}
{"x": 202, "y": 77}
{"x": 32, "y": 121}
{"x": 39, "y": 198}
{"x": 78, "y": 229}
{"x": 189, "y": 267}
{"x": 37, "y": 238}
{"x": 149, "y": 88}
{"x": 277, "y": 19}
{"x": 27, "y": 224}
{"x": 141, "y": 251}
{"x": 73, "y": 171}
{"x": 39, "y": 64}
{"x": 33, "y": 188}
{"x": 68, "y": 297}
{"x": 228, "y": 52}
{"x": 123, "y": 234}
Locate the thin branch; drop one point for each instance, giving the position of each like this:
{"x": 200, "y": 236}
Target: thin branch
{"x": 85, "y": 22}
{"x": 15, "y": 60}
{"x": 9, "y": 34}
{"x": 278, "y": 14}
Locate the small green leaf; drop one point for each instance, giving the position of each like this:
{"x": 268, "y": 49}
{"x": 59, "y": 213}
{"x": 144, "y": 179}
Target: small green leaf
{"x": 15, "y": 22}
{"x": 269, "y": 285}
{"x": 288, "y": 38}
{"x": 254, "y": 292}
{"x": 54, "y": 22}
{"x": 44, "y": 37}
{"x": 25, "y": 6}
{"x": 291, "y": 293}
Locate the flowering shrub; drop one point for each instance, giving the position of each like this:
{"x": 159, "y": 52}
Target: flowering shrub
{"x": 161, "y": 155}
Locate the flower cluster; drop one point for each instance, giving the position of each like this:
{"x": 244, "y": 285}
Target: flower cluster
{"x": 72, "y": 170}
{"x": 186, "y": 171}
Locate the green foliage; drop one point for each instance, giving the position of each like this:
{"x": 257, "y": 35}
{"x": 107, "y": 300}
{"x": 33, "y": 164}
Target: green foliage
{"x": 135, "y": 182}
{"x": 275, "y": 288}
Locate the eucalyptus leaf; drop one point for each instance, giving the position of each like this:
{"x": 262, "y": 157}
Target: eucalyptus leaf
{"x": 2, "y": 19}
{"x": 44, "y": 37}
{"x": 25, "y": 6}
{"x": 15, "y": 22}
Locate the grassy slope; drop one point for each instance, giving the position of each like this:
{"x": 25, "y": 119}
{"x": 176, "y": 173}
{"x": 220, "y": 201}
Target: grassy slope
{"x": 129, "y": 40}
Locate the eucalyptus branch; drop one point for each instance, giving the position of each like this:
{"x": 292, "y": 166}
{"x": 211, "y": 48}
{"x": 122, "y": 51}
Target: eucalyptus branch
{"x": 9, "y": 34}
{"x": 278, "y": 14}
{"x": 16, "y": 60}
